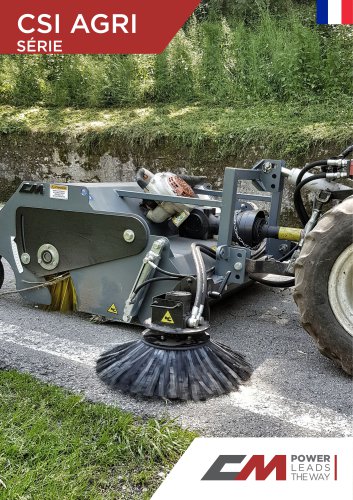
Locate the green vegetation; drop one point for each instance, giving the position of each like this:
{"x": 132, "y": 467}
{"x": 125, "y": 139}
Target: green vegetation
{"x": 55, "y": 445}
{"x": 229, "y": 53}
{"x": 247, "y": 11}
{"x": 242, "y": 80}
{"x": 209, "y": 134}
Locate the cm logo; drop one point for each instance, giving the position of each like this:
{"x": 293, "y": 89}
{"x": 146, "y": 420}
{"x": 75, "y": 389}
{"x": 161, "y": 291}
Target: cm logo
{"x": 255, "y": 463}
{"x": 30, "y": 188}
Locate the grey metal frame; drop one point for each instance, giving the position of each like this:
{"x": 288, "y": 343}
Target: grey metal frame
{"x": 113, "y": 280}
{"x": 267, "y": 177}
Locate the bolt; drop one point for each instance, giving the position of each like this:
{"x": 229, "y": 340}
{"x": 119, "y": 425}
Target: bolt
{"x": 47, "y": 256}
{"x": 283, "y": 248}
{"x": 238, "y": 266}
{"x": 25, "y": 258}
{"x": 157, "y": 245}
{"x": 267, "y": 167}
{"x": 129, "y": 236}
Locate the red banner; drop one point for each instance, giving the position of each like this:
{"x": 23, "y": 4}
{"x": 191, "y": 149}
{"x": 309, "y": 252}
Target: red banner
{"x": 91, "y": 27}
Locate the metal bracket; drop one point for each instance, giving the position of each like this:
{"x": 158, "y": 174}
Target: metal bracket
{"x": 233, "y": 259}
{"x": 270, "y": 175}
{"x": 267, "y": 267}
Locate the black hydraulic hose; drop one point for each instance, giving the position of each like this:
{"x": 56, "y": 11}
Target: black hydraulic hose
{"x": 298, "y": 201}
{"x": 176, "y": 275}
{"x": 309, "y": 166}
{"x": 168, "y": 273}
{"x": 169, "y": 277}
{"x": 207, "y": 250}
{"x": 346, "y": 152}
{"x": 210, "y": 253}
{"x": 309, "y": 179}
{"x": 274, "y": 284}
{"x": 154, "y": 280}
{"x": 289, "y": 254}
{"x": 302, "y": 213}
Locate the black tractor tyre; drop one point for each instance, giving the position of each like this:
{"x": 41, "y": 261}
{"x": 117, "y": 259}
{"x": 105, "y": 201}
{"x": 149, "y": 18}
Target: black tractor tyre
{"x": 2, "y": 274}
{"x": 326, "y": 260}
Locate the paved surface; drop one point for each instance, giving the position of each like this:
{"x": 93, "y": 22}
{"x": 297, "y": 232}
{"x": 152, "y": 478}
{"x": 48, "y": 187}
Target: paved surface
{"x": 294, "y": 390}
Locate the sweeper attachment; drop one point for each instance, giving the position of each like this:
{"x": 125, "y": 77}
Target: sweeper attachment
{"x": 159, "y": 251}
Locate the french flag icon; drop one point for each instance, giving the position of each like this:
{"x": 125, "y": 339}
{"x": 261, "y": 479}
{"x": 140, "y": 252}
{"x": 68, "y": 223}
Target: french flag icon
{"x": 335, "y": 11}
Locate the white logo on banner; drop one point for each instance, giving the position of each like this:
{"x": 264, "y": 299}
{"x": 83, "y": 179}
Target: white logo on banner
{"x": 270, "y": 468}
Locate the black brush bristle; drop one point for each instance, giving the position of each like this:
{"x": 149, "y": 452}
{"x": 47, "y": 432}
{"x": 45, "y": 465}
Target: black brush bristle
{"x": 192, "y": 373}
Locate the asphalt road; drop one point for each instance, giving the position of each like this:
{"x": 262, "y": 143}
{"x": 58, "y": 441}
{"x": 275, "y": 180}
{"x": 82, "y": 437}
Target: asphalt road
{"x": 294, "y": 390}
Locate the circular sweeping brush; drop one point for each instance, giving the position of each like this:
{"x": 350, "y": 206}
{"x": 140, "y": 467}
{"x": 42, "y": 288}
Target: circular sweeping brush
{"x": 176, "y": 361}
{"x": 182, "y": 368}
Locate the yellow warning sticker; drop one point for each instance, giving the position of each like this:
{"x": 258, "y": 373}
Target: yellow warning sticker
{"x": 59, "y": 192}
{"x": 113, "y": 309}
{"x": 167, "y": 318}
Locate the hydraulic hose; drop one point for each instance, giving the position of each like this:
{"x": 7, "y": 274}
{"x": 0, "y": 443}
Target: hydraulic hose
{"x": 207, "y": 250}
{"x": 346, "y": 152}
{"x": 298, "y": 201}
{"x": 289, "y": 254}
{"x": 201, "y": 286}
{"x": 302, "y": 213}
{"x": 176, "y": 275}
{"x": 154, "y": 280}
{"x": 169, "y": 277}
{"x": 274, "y": 284}
{"x": 309, "y": 166}
{"x": 201, "y": 275}
{"x": 168, "y": 273}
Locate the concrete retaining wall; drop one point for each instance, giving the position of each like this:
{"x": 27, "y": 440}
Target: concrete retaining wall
{"x": 45, "y": 157}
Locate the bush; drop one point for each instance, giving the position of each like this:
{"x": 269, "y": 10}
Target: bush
{"x": 242, "y": 57}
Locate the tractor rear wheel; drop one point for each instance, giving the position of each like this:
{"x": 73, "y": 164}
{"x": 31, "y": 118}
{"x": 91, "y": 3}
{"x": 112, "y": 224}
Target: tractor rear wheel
{"x": 324, "y": 284}
{"x": 1, "y": 273}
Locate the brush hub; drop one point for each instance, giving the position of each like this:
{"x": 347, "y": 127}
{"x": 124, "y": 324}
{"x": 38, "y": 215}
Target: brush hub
{"x": 175, "y": 331}
{"x": 181, "y": 341}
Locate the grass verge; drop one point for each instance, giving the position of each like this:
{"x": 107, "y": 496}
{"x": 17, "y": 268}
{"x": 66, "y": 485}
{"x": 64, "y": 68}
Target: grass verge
{"x": 56, "y": 445}
{"x": 278, "y": 130}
